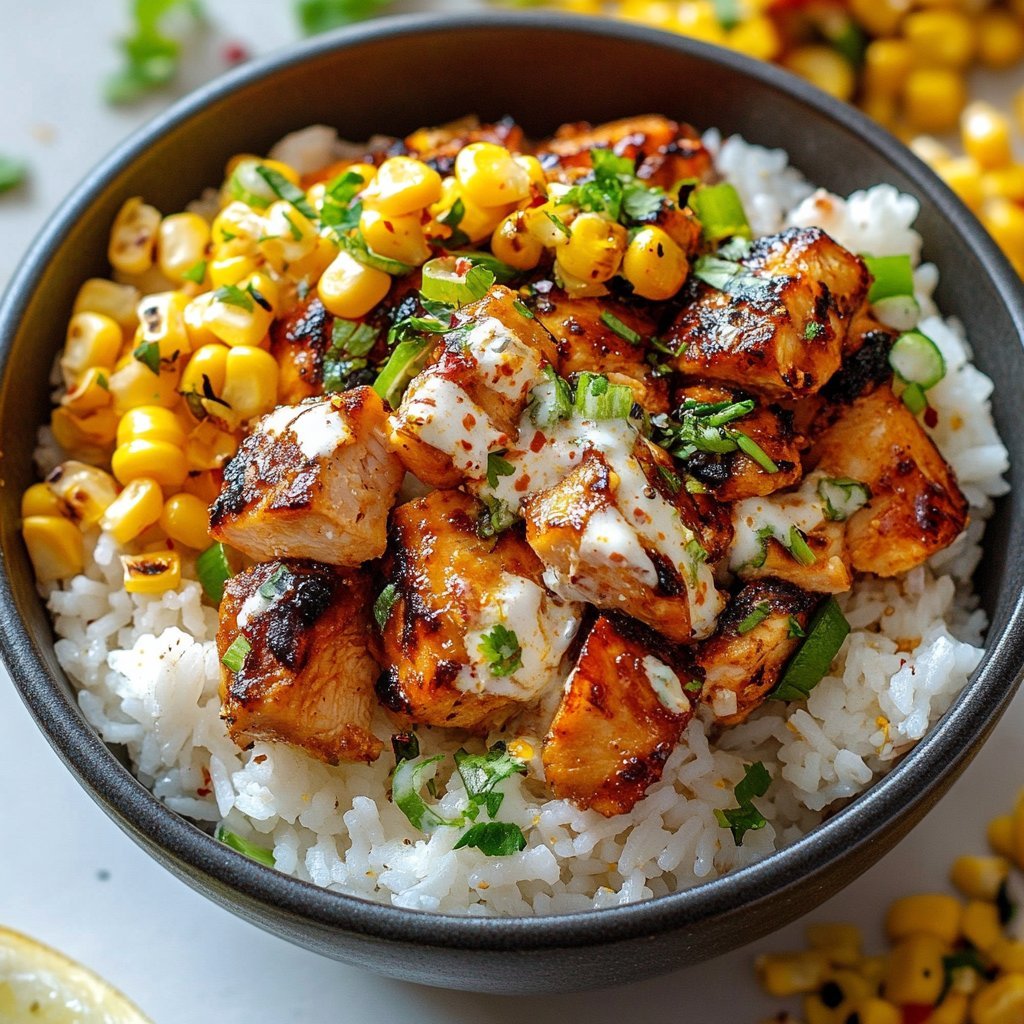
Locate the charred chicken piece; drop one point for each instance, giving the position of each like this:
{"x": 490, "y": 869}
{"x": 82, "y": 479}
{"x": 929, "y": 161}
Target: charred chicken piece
{"x": 472, "y": 635}
{"x": 306, "y": 677}
{"x": 755, "y": 638}
{"x": 781, "y": 324}
{"x": 440, "y": 146}
{"x": 625, "y": 706}
{"x": 314, "y": 480}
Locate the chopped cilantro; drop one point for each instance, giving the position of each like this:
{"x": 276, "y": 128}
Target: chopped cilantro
{"x": 482, "y": 772}
{"x": 813, "y": 330}
{"x": 760, "y": 612}
{"x": 317, "y": 16}
{"x": 405, "y": 745}
{"x": 196, "y": 273}
{"x": 497, "y": 466}
{"x": 232, "y": 295}
{"x": 12, "y": 173}
{"x": 745, "y": 817}
{"x": 284, "y": 189}
{"x": 522, "y": 309}
{"x": 616, "y": 326}
{"x": 502, "y": 650}
{"x": 148, "y": 353}
{"x": 493, "y": 838}
{"x": 385, "y": 602}
{"x": 496, "y": 517}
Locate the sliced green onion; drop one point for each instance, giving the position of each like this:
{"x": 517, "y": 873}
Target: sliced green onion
{"x": 914, "y": 399}
{"x": 443, "y": 281}
{"x": 406, "y": 361}
{"x": 842, "y": 497}
{"x": 410, "y": 777}
{"x": 916, "y": 359}
{"x": 720, "y": 212}
{"x": 754, "y": 451}
{"x": 362, "y": 253}
{"x": 596, "y": 399}
{"x": 721, "y": 413}
{"x": 799, "y": 548}
{"x": 250, "y": 187}
{"x": 624, "y": 331}
{"x": 243, "y": 846}
{"x": 385, "y": 602}
{"x": 900, "y": 312}
{"x": 551, "y": 400}
{"x": 761, "y": 612}
{"x": 214, "y": 570}
{"x": 825, "y": 635}
{"x": 284, "y": 189}
{"x": 893, "y": 275}
{"x": 235, "y": 655}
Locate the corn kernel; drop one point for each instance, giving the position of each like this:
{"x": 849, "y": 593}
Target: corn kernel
{"x": 135, "y": 509}
{"x": 150, "y": 423}
{"x": 246, "y": 185}
{"x": 1008, "y": 955}
{"x": 185, "y": 519}
{"x": 54, "y": 546}
{"x": 545, "y": 223}
{"x": 209, "y": 447}
{"x": 824, "y": 67}
{"x": 250, "y": 383}
{"x": 654, "y": 265}
{"x": 85, "y": 491}
{"x": 93, "y": 339}
{"x": 534, "y": 171}
{"x": 349, "y": 289}
{"x": 940, "y": 38}
{"x": 512, "y": 243}
{"x": 133, "y": 383}
{"x": 926, "y": 913}
{"x": 1005, "y": 222}
{"x": 933, "y": 98}
{"x": 488, "y": 175}
{"x": 1000, "y": 835}
{"x": 979, "y": 878}
{"x": 835, "y": 1001}
{"x": 1000, "y": 39}
{"x": 311, "y": 267}
{"x": 88, "y": 436}
{"x": 915, "y": 973}
{"x": 117, "y": 301}
{"x": 881, "y": 108}
{"x": 1004, "y": 183}
{"x": 240, "y": 317}
{"x": 986, "y": 135}
{"x": 477, "y": 222}
{"x": 1001, "y": 1002}
{"x": 162, "y": 322}
{"x": 162, "y": 461}
{"x": 841, "y": 943}
{"x": 133, "y": 237}
{"x": 697, "y": 19}
{"x": 235, "y": 231}
{"x": 792, "y": 974}
{"x": 658, "y": 13}
{"x": 981, "y": 925}
{"x": 756, "y": 37}
{"x": 521, "y": 749}
{"x": 887, "y": 63}
{"x": 288, "y": 235}
{"x": 204, "y": 485}
{"x": 878, "y": 1011}
{"x": 204, "y": 374}
{"x": 952, "y": 1010}
{"x": 194, "y": 318}
{"x": 963, "y": 175}
{"x": 151, "y": 573}
{"x": 1017, "y": 833}
{"x": 181, "y": 244}
{"x": 594, "y": 250}
{"x": 395, "y": 237}
{"x": 879, "y": 17}
{"x": 91, "y": 392}
{"x": 403, "y": 185}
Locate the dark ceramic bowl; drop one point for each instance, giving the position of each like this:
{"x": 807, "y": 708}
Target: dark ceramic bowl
{"x": 393, "y": 76}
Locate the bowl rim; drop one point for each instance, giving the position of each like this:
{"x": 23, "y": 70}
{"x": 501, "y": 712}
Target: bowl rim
{"x": 913, "y": 783}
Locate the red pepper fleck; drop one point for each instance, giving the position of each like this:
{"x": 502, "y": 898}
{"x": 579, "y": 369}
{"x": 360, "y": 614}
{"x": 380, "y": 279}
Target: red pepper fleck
{"x": 469, "y": 421}
{"x": 522, "y": 483}
{"x": 538, "y": 442}
{"x": 202, "y": 791}
{"x": 931, "y": 417}
{"x": 234, "y": 53}
{"x": 463, "y": 267}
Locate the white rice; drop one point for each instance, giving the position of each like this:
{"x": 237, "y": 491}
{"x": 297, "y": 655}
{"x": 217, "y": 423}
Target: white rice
{"x": 148, "y": 675}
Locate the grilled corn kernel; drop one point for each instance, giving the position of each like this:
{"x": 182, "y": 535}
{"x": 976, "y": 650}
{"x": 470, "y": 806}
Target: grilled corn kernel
{"x": 235, "y": 231}
{"x": 534, "y": 171}
{"x": 792, "y": 974}
{"x": 133, "y": 237}
{"x": 311, "y": 267}
{"x": 887, "y": 63}
{"x": 981, "y": 925}
{"x": 1001, "y": 1002}
{"x": 1000, "y": 39}
{"x": 230, "y": 270}
{"x": 654, "y": 265}
{"x": 824, "y": 67}
{"x": 952, "y": 1010}
{"x": 39, "y": 500}
{"x": 841, "y": 943}
{"x": 878, "y": 1011}
{"x": 246, "y": 184}
{"x": 980, "y": 878}
{"x": 756, "y": 37}
{"x": 879, "y": 17}
{"x": 186, "y": 519}
{"x": 85, "y": 491}
{"x": 1004, "y": 183}
{"x": 658, "y": 13}
{"x": 1005, "y": 222}
{"x": 54, "y": 546}
{"x": 915, "y": 973}
{"x": 512, "y": 243}
{"x": 88, "y": 436}
{"x": 403, "y": 185}
{"x": 926, "y": 913}
{"x": 395, "y": 237}
{"x": 93, "y": 339}
{"x": 203, "y": 485}
{"x": 162, "y": 322}
{"x": 133, "y": 383}
{"x": 209, "y": 447}
{"x": 521, "y": 748}
{"x": 349, "y": 289}
{"x": 933, "y": 98}
{"x": 195, "y": 321}
{"x": 288, "y": 235}
{"x": 940, "y": 38}
{"x": 150, "y": 423}
{"x": 91, "y": 392}
{"x": 834, "y": 1002}
{"x": 135, "y": 509}
{"x": 204, "y": 375}
{"x": 697, "y": 19}
{"x": 880, "y": 108}
{"x": 594, "y": 250}
{"x": 250, "y": 382}
{"x": 477, "y": 222}
{"x": 488, "y": 175}
{"x": 117, "y": 301}
{"x": 151, "y": 573}
{"x": 1000, "y": 835}
{"x": 1008, "y": 955}
{"x": 238, "y": 316}
{"x": 181, "y": 244}
{"x": 162, "y": 461}
{"x": 963, "y": 175}
{"x": 985, "y": 133}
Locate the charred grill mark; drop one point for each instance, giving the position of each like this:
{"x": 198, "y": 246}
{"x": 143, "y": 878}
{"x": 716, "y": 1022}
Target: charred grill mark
{"x": 389, "y": 692}
{"x": 670, "y": 583}
{"x": 782, "y": 598}
{"x": 862, "y": 371}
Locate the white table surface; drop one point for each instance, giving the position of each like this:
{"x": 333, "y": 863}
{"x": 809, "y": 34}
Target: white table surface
{"x": 68, "y": 875}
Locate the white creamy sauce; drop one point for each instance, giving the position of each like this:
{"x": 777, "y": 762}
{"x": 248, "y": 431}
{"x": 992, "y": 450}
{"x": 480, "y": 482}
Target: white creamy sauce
{"x": 724, "y": 703}
{"x": 318, "y": 429}
{"x": 510, "y": 367}
{"x": 253, "y": 606}
{"x": 607, "y": 532}
{"x": 666, "y": 686}
{"x": 544, "y": 628}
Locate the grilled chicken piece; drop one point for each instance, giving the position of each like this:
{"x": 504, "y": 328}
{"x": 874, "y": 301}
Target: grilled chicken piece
{"x": 829, "y": 573}
{"x": 666, "y": 152}
{"x": 622, "y": 713}
{"x": 440, "y": 146}
{"x": 314, "y": 480}
{"x": 585, "y": 342}
{"x": 755, "y": 638}
{"x": 307, "y": 677}
{"x": 781, "y": 327}
{"x": 916, "y": 507}
{"x": 452, "y": 589}
{"x": 619, "y": 533}
{"x": 468, "y": 402}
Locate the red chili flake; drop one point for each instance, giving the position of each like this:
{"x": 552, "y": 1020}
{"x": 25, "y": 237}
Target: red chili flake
{"x": 522, "y": 483}
{"x": 538, "y": 442}
{"x": 234, "y": 53}
{"x": 259, "y": 759}
{"x": 463, "y": 267}
{"x": 466, "y": 446}
{"x": 931, "y": 417}
{"x": 202, "y": 791}
{"x": 468, "y": 421}
{"x": 388, "y": 226}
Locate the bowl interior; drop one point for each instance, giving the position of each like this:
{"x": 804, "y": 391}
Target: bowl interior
{"x": 541, "y": 70}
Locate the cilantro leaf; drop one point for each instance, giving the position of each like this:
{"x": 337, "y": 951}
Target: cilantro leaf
{"x": 12, "y": 173}
{"x": 482, "y": 772}
{"x": 385, "y": 602}
{"x": 496, "y": 517}
{"x": 746, "y": 817}
{"x": 317, "y": 16}
{"x": 502, "y": 650}
{"x": 232, "y": 295}
{"x": 196, "y": 273}
{"x": 148, "y": 353}
{"x": 493, "y": 838}
{"x": 497, "y": 466}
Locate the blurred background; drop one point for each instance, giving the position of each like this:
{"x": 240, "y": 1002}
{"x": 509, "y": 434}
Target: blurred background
{"x": 946, "y": 76}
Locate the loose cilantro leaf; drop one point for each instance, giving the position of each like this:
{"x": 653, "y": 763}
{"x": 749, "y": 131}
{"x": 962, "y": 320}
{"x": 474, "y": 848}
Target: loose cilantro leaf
{"x": 795, "y": 630}
{"x": 452, "y": 218}
{"x": 284, "y": 189}
{"x": 813, "y": 330}
{"x": 148, "y": 353}
{"x": 196, "y": 273}
{"x": 746, "y": 817}
{"x": 338, "y": 211}
{"x": 494, "y": 838}
{"x": 616, "y": 326}
{"x": 522, "y": 309}
{"x": 641, "y": 204}
{"x": 497, "y": 466}
{"x": 502, "y": 650}
{"x": 559, "y": 223}
{"x": 232, "y": 295}
{"x": 353, "y": 337}
{"x": 12, "y": 173}
{"x": 761, "y": 612}
{"x": 406, "y": 746}
{"x": 384, "y": 603}
{"x": 670, "y": 478}
{"x": 482, "y": 772}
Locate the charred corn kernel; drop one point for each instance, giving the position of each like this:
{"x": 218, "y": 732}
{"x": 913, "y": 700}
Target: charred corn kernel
{"x": 250, "y": 382}
{"x": 534, "y": 171}
{"x": 940, "y": 38}
{"x": 963, "y": 175}
{"x": 841, "y": 943}
{"x": 245, "y": 183}
{"x": 163, "y": 462}
{"x": 137, "y": 507}
{"x": 91, "y": 392}
{"x": 979, "y": 878}
{"x": 549, "y": 222}
{"x": 85, "y": 491}
{"x": 89, "y": 436}
{"x": 756, "y": 37}
{"x": 879, "y": 17}
{"x": 39, "y": 500}
{"x": 698, "y": 19}
{"x": 181, "y": 244}
{"x": 1005, "y": 222}
{"x": 887, "y": 63}
{"x": 1008, "y": 955}
{"x": 288, "y": 235}
{"x": 521, "y": 748}
{"x": 952, "y": 1010}
{"x": 981, "y": 926}
{"x": 162, "y": 322}
{"x": 933, "y": 98}
{"x": 239, "y": 317}
{"x": 594, "y": 250}
{"x": 654, "y": 265}
{"x": 117, "y": 301}
{"x": 873, "y": 969}
{"x": 1000, "y": 835}
{"x": 186, "y": 519}
{"x": 311, "y": 267}
{"x": 1000, "y": 38}
{"x": 577, "y": 287}
{"x": 230, "y": 270}
{"x": 133, "y": 237}
{"x": 403, "y": 185}
{"x": 54, "y": 546}
{"x": 879, "y": 1011}
{"x": 915, "y": 973}
{"x": 204, "y": 485}
{"x": 477, "y": 222}
{"x": 512, "y": 243}
{"x": 349, "y": 289}
{"x": 151, "y": 573}
{"x": 150, "y": 423}
{"x": 835, "y": 1000}
{"x": 985, "y": 133}
{"x": 395, "y": 237}
{"x": 133, "y": 383}
{"x": 1001, "y": 1002}
{"x": 205, "y": 374}
{"x": 925, "y": 913}
{"x": 235, "y": 231}
{"x": 92, "y": 339}
{"x": 792, "y": 974}
{"x": 209, "y": 447}
{"x": 488, "y": 175}
{"x": 194, "y": 317}
{"x": 824, "y": 67}
{"x": 1004, "y": 183}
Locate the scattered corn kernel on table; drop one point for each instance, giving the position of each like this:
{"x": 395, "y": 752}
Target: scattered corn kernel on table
{"x": 75, "y": 882}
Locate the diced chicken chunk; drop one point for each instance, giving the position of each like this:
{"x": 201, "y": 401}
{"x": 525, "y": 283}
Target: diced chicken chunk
{"x": 754, "y": 640}
{"x": 307, "y": 675}
{"x": 472, "y": 635}
{"x": 314, "y": 480}
{"x": 781, "y": 324}
{"x": 440, "y": 146}
{"x": 625, "y": 706}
